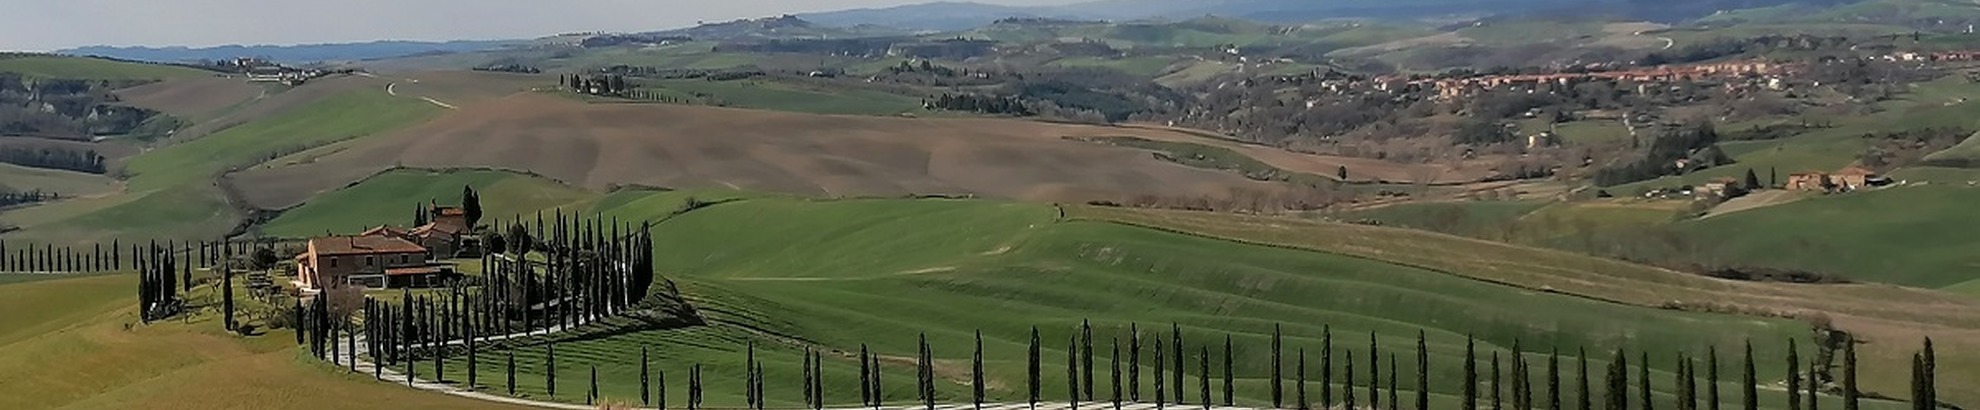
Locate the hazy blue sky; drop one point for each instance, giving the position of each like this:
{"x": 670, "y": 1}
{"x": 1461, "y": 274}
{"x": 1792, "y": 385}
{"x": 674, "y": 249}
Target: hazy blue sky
{"x": 43, "y": 25}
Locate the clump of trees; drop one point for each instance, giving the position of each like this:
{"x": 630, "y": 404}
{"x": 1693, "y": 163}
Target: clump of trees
{"x": 54, "y": 158}
{"x": 613, "y": 85}
{"x": 988, "y": 104}
{"x": 9, "y": 197}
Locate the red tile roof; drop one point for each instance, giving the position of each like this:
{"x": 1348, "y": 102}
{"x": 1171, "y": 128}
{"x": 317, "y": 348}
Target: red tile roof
{"x": 421, "y": 270}
{"x": 362, "y": 245}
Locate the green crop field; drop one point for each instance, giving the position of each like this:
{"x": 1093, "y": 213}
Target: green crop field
{"x": 1205, "y": 156}
{"x": 91, "y": 68}
{"x": 836, "y": 274}
{"x": 787, "y": 97}
{"x": 352, "y": 114}
{"x": 1910, "y": 235}
{"x": 1149, "y": 66}
{"x": 65, "y": 183}
{"x": 1964, "y": 155}
{"x": 389, "y": 198}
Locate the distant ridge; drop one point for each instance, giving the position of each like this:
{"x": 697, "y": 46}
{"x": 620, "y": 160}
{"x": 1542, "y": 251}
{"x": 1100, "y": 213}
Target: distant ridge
{"x": 303, "y": 53}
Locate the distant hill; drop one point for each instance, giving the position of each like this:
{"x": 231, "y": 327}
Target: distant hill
{"x": 304, "y": 53}
{"x": 940, "y": 16}
{"x": 949, "y": 16}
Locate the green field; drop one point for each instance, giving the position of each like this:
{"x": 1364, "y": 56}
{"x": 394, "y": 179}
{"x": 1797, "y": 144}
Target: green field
{"x": 352, "y": 114}
{"x": 1912, "y": 235}
{"x": 91, "y": 68}
{"x": 835, "y": 274}
{"x": 65, "y": 183}
{"x": 1150, "y": 66}
{"x": 1219, "y": 158}
{"x": 1964, "y": 155}
{"x": 389, "y": 198}
{"x": 768, "y": 95}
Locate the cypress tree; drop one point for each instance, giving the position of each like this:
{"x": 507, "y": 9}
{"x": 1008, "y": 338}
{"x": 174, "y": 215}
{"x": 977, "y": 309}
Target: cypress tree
{"x": 645, "y": 377}
{"x": 1683, "y": 374}
{"x": 660, "y": 382}
{"x": 1918, "y": 395}
{"x": 512, "y": 373}
{"x": 1794, "y": 376}
{"x": 1812, "y": 387}
{"x": 1300, "y": 385}
{"x": 1850, "y": 394}
{"x": 1712, "y": 378}
{"x": 1134, "y": 363}
{"x": 550, "y": 368}
{"x": 1278, "y": 395}
{"x": 1072, "y": 371}
{"x": 1493, "y": 381}
{"x": 878, "y": 395}
{"x": 1086, "y": 358}
{"x": 1160, "y": 398}
{"x": 1326, "y": 367}
{"x": 976, "y": 372}
{"x": 927, "y": 378}
{"x": 1930, "y": 369}
{"x": 1582, "y": 399}
{"x": 1032, "y": 369}
{"x": 1422, "y": 371}
{"x": 865, "y": 378}
{"x": 1554, "y": 379}
{"x": 1643, "y": 380}
{"x": 591, "y": 396}
{"x": 1393, "y": 401}
{"x": 1374, "y": 372}
{"x": 1470, "y": 387}
{"x": 1347, "y": 385}
{"x": 1750, "y": 400}
{"x": 1230, "y": 390}
{"x": 1176, "y": 344}
{"x": 1203, "y": 372}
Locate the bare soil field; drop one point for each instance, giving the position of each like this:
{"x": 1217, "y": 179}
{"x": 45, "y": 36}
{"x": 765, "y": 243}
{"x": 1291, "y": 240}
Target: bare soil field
{"x": 601, "y": 145}
{"x": 1359, "y": 169}
{"x": 191, "y": 99}
{"x": 465, "y": 87}
{"x": 277, "y": 103}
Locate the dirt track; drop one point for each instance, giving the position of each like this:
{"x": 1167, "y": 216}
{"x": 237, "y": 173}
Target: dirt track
{"x": 599, "y": 145}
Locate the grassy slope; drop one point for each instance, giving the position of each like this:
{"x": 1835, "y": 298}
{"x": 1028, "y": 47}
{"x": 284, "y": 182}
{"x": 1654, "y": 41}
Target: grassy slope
{"x": 92, "y": 68}
{"x": 1915, "y": 235}
{"x": 841, "y": 273}
{"x": 66, "y": 183}
{"x": 64, "y": 346}
{"x": 787, "y": 97}
{"x": 388, "y": 199}
{"x": 1967, "y": 153}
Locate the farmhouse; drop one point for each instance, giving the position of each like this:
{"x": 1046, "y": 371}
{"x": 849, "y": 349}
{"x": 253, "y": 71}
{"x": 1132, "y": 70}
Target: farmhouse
{"x": 1808, "y": 181}
{"x": 379, "y": 261}
{"x": 1853, "y": 178}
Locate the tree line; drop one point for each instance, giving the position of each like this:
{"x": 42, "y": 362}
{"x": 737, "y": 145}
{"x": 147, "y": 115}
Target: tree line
{"x": 54, "y": 158}
{"x": 11, "y": 198}
{"x": 988, "y": 104}
{"x": 1181, "y": 373}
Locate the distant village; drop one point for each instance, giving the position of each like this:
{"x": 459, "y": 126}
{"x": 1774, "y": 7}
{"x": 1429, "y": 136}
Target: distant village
{"x": 260, "y": 70}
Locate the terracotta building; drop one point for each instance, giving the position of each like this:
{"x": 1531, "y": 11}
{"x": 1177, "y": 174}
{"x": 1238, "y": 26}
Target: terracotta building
{"x": 379, "y": 261}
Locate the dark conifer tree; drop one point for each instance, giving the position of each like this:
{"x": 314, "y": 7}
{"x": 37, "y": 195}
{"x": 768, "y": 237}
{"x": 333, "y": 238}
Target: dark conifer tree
{"x": 1554, "y": 379}
{"x": 512, "y": 373}
{"x": 1203, "y": 370}
{"x": 1929, "y": 369}
{"x": 1470, "y": 386}
{"x": 976, "y": 373}
{"x": 645, "y": 379}
{"x": 1326, "y": 367}
{"x": 1422, "y": 371}
{"x": 1374, "y": 373}
{"x": 1643, "y": 380}
{"x": 1299, "y": 386}
{"x": 1159, "y": 373}
{"x": 1794, "y": 375}
{"x": 550, "y": 368}
{"x": 928, "y": 374}
{"x": 1072, "y": 371}
{"x": 1850, "y": 394}
{"x": 1176, "y": 345}
{"x": 1918, "y": 395}
{"x": 1115, "y": 374}
{"x": 1493, "y": 381}
{"x": 660, "y": 386}
{"x": 865, "y": 378}
{"x": 591, "y": 396}
{"x": 878, "y": 395}
{"x": 1712, "y": 378}
{"x": 1750, "y": 397}
{"x": 1134, "y": 363}
{"x": 1278, "y": 395}
{"x": 1086, "y": 359}
{"x": 1394, "y": 402}
{"x": 1347, "y": 381}
{"x": 1582, "y": 393}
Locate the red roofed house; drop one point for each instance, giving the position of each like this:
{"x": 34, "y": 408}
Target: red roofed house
{"x": 375, "y": 261}
{"x": 1854, "y": 177}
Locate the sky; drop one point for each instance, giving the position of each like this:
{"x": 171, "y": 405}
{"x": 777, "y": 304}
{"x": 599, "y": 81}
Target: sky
{"x": 47, "y": 25}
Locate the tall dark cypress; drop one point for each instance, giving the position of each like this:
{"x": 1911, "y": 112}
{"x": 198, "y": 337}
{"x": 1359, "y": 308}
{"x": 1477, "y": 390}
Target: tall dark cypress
{"x": 1394, "y": 402}
{"x": 879, "y": 395}
{"x": 1750, "y": 382}
{"x": 1072, "y": 371}
{"x": 660, "y": 393}
{"x": 1918, "y": 395}
{"x": 1347, "y": 380}
{"x": 1176, "y": 343}
{"x": 1470, "y": 387}
{"x": 1617, "y": 394}
{"x": 1115, "y": 374}
{"x": 550, "y": 368}
{"x": 1794, "y": 375}
{"x": 1086, "y": 359}
{"x": 928, "y": 374}
{"x": 1160, "y": 398}
{"x": 1134, "y": 363}
{"x": 1374, "y": 372}
{"x": 1712, "y": 378}
{"x": 1850, "y": 394}
{"x": 1493, "y": 381}
{"x": 1230, "y": 389}
{"x": 1643, "y": 380}
{"x": 1278, "y": 395}
{"x": 1582, "y": 400}
{"x": 1326, "y": 367}
{"x": 1203, "y": 370}
{"x": 1929, "y": 369}
{"x": 512, "y": 373}
{"x": 591, "y": 396}
{"x": 1299, "y": 385}
{"x": 1423, "y": 371}
{"x": 645, "y": 378}
{"x": 1031, "y": 369}
{"x": 865, "y": 378}
{"x": 1812, "y": 388}
{"x": 1554, "y": 379}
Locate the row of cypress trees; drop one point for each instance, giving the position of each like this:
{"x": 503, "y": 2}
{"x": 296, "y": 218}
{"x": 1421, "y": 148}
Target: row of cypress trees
{"x": 107, "y": 258}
